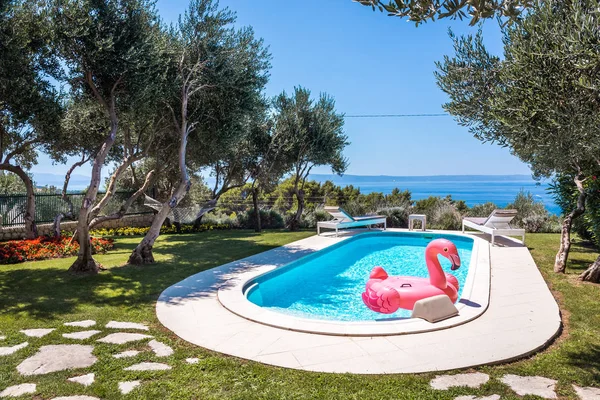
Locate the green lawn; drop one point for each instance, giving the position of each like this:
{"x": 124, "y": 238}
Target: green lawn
{"x": 42, "y": 294}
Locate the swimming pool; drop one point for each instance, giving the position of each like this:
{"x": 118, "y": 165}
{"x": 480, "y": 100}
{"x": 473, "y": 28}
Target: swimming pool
{"x": 327, "y": 285}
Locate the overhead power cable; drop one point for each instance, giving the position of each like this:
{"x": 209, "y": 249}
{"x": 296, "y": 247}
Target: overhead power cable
{"x": 395, "y": 115}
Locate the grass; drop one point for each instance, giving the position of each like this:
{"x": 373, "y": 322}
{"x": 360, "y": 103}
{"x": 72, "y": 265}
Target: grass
{"x": 42, "y": 294}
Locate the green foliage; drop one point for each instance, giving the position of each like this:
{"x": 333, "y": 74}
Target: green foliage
{"x": 269, "y": 219}
{"x": 532, "y": 215}
{"x": 133, "y": 231}
{"x": 11, "y": 183}
{"x": 29, "y": 105}
{"x": 565, "y": 195}
{"x": 541, "y": 100}
{"x": 420, "y": 11}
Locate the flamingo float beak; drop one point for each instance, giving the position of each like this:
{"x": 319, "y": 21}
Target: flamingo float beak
{"x": 455, "y": 259}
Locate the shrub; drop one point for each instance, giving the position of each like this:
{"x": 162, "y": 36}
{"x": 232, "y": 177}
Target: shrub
{"x": 447, "y": 217}
{"x": 268, "y": 219}
{"x": 44, "y": 247}
{"x": 187, "y": 228}
{"x": 482, "y": 210}
{"x": 531, "y": 215}
{"x": 397, "y": 217}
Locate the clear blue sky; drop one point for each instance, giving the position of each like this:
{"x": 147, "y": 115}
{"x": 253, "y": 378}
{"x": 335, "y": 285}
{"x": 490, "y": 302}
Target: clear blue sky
{"x": 371, "y": 64}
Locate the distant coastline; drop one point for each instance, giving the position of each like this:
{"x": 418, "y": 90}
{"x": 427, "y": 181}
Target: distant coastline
{"x": 473, "y": 189}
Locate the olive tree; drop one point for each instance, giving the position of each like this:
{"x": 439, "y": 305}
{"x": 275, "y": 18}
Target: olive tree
{"x": 309, "y": 133}
{"x": 541, "y": 101}
{"x": 109, "y": 50}
{"x": 29, "y": 105}
{"x": 420, "y": 11}
{"x": 201, "y": 50}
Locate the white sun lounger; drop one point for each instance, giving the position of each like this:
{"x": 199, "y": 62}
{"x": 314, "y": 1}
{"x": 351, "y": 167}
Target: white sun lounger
{"x": 497, "y": 224}
{"x": 344, "y": 220}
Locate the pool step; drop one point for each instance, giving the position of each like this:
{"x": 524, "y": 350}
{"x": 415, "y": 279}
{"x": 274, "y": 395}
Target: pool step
{"x": 434, "y": 309}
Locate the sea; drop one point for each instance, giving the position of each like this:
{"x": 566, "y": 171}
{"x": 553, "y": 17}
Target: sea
{"x": 473, "y": 189}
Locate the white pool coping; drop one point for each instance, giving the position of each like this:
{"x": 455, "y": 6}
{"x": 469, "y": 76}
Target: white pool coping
{"x": 522, "y": 317}
{"x": 474, "y": 298}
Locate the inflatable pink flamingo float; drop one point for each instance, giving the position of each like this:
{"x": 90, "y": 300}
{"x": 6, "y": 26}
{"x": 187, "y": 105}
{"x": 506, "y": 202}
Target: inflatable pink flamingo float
{"x": 385, "y": 294}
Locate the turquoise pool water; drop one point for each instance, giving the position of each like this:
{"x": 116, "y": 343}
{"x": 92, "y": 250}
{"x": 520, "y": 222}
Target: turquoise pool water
{"x": 328, "y": 284}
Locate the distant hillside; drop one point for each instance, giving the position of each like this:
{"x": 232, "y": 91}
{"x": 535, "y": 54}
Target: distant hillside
{"x": 77, "y": 182}
{"x": 357, "y": 179}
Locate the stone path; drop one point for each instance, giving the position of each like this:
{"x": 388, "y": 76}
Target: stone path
{"x": 126, "y": 325}
{"x": 52, "y": 358}
{"x": 125, "y": 354}
{"x": 19, "y": 390}
{"x": 160, "y": 349}
{"x": 472, "y": 380}
{"x": 58, "y": 358}
{"x": 85, "y": 380}
{"x": 82, "y": 324}
{"x": 123, "y": 337}
{"x": 38, "y": 333}
{"x": 81, "y": 335}
{"x": 587, "y": 393}
{"x": 126, "y": 387}
{"x": 6, "y": 351}
{"x": 148, "y": 366}
{"x": 536, "y": 385}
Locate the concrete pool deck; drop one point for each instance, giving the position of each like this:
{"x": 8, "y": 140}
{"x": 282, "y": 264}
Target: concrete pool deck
{"x": 522, "y": 317}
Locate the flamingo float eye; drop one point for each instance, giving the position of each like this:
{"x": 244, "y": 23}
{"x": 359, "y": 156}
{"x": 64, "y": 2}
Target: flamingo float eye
{"x": 446, "y": 249}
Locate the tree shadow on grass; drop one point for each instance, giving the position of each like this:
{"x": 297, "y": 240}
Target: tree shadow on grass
{"x": 50, "y": 292}
{"x": 587, "y": 360}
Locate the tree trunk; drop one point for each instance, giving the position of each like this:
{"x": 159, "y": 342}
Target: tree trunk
{"x": 295, "y": 223}
{"x": 29, "y": 217}
{"x": 119, "y": 214}
{"x": 592, "y": 274}
{"x": 85, "y": 263}
{"x": 560, "y": 263}
{"x": 258, "y": 227}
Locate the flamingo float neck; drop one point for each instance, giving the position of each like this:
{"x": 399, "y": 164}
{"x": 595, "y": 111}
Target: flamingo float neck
{"x": 437, "y": 277}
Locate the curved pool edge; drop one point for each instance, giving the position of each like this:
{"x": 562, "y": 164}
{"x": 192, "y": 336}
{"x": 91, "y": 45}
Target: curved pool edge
{"x": 522, "y": 318}
{"x": 474, "y": 300}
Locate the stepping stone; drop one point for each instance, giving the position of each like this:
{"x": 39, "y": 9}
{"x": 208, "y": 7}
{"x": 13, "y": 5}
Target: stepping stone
{"x": 5, "y": 351}
{"x": 472, "y": 380}
{"x": 160, "y": 349}
{"x": 80, "y": 335}
{"x": 587, "y": 393}
{"x": 82, "y": 324}
{"x": 85, "y": 380}
{"x": 148, "y": 366}
{"x": 471, "y": 397}
{"x": 58, "y": 358}
{"x": 126, "y": 387}
{"x": 192, "y": 360}
{"x": 126, "y": 325}
{"x": 536, "y": 385}
{"x": 125, "y": 354}
{"x": 36, "y": 332}
{"x": 123, "y": 337}
{"x": 18, "y": 390}
{"x": 79, "y": 397}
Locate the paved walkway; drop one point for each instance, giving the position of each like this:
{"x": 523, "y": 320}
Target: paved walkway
{"x": 522, "y": 317}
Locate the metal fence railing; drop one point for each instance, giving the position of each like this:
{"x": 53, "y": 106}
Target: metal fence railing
{"x": 48, "y": 205}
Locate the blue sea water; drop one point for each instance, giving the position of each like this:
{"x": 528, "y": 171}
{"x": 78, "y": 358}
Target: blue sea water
{"x": 328, "y": 285}
{"x": 498, "y": 189}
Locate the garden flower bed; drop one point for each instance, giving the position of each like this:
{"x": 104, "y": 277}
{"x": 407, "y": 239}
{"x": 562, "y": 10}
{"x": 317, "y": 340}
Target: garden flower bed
{"x": 44, "y": 247}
